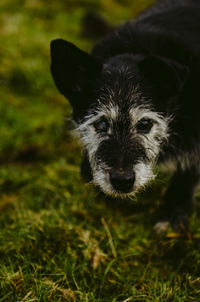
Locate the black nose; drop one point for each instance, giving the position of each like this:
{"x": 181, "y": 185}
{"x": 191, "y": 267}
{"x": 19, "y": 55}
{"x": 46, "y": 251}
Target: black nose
{"x": 122, "y": 182}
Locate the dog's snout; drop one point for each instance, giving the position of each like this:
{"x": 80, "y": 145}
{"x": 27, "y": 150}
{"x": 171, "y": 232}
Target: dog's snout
{"x": 122, "y": 181}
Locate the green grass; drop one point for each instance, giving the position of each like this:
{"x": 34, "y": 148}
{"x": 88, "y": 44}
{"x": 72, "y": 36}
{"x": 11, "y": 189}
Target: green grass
{"x": 59, "y": 239}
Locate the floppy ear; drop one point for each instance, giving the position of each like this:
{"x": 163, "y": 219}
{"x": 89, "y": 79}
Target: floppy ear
{"x": 166, "y": 76}
{"x": 73, "y": 71}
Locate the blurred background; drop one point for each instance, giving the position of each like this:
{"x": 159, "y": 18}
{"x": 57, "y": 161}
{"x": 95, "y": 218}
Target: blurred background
{"x": 59, "y": 240}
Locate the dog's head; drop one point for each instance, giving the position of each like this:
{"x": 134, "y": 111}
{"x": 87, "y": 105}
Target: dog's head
{"x": 122, "y": 110}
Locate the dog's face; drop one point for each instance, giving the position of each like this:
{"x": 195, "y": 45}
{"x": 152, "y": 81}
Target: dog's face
{"x": 120, "y": 111}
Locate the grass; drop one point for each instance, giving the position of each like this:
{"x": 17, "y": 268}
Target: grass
{"x": 59, "y": 239}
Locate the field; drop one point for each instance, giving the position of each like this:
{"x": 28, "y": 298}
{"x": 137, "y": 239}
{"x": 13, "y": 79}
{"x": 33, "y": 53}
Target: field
{"x": 59, "y": 239}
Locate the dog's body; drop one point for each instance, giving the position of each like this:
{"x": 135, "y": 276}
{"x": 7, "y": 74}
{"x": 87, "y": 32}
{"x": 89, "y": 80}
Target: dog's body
{"x": 136, "y": 101}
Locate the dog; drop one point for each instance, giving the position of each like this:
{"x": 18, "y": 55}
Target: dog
{"x": 135, "y": 103}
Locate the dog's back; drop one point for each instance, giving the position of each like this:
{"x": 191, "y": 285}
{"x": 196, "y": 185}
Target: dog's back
{"x": 167, "y": 5}
{"x": 170, "y": 29}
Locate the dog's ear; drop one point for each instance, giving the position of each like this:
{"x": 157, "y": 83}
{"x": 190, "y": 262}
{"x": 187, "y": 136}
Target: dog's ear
{"x": 166, "y": 76}
{"x": 73, "y": 71}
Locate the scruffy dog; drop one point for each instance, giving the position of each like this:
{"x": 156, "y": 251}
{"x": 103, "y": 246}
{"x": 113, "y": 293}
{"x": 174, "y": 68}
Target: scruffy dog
{"x": 135, "y": 102}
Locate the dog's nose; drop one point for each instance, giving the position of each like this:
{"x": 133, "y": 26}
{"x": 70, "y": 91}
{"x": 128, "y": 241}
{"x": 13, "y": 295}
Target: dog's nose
{"x": 122, "y": 182}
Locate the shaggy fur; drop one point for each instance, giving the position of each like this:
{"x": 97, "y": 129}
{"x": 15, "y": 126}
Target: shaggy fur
{"x": 135, "y": 102}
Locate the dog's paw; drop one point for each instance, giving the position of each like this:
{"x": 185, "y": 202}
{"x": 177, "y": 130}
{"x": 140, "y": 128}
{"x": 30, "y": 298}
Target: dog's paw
{"x": 178, "y": 222}
{"x": 161, "y": 227}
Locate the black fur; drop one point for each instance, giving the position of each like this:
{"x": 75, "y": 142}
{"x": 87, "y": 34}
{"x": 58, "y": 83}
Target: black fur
{"x": 159, "y": 52}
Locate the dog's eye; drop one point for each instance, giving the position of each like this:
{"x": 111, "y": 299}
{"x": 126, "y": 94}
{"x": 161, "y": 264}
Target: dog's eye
{"x": 144, "y": 125}
{"x": 101, "y": 126}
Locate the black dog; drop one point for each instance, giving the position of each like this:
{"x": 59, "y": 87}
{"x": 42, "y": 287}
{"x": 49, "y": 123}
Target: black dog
{"x": 136, "y": 102}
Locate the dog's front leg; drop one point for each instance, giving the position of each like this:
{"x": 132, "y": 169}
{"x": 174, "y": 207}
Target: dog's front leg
{"x": 86, "y": 171}
{"x": 178, "y": 200}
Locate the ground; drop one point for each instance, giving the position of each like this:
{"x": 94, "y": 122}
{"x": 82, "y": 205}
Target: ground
{"x": 59, "y": 239}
